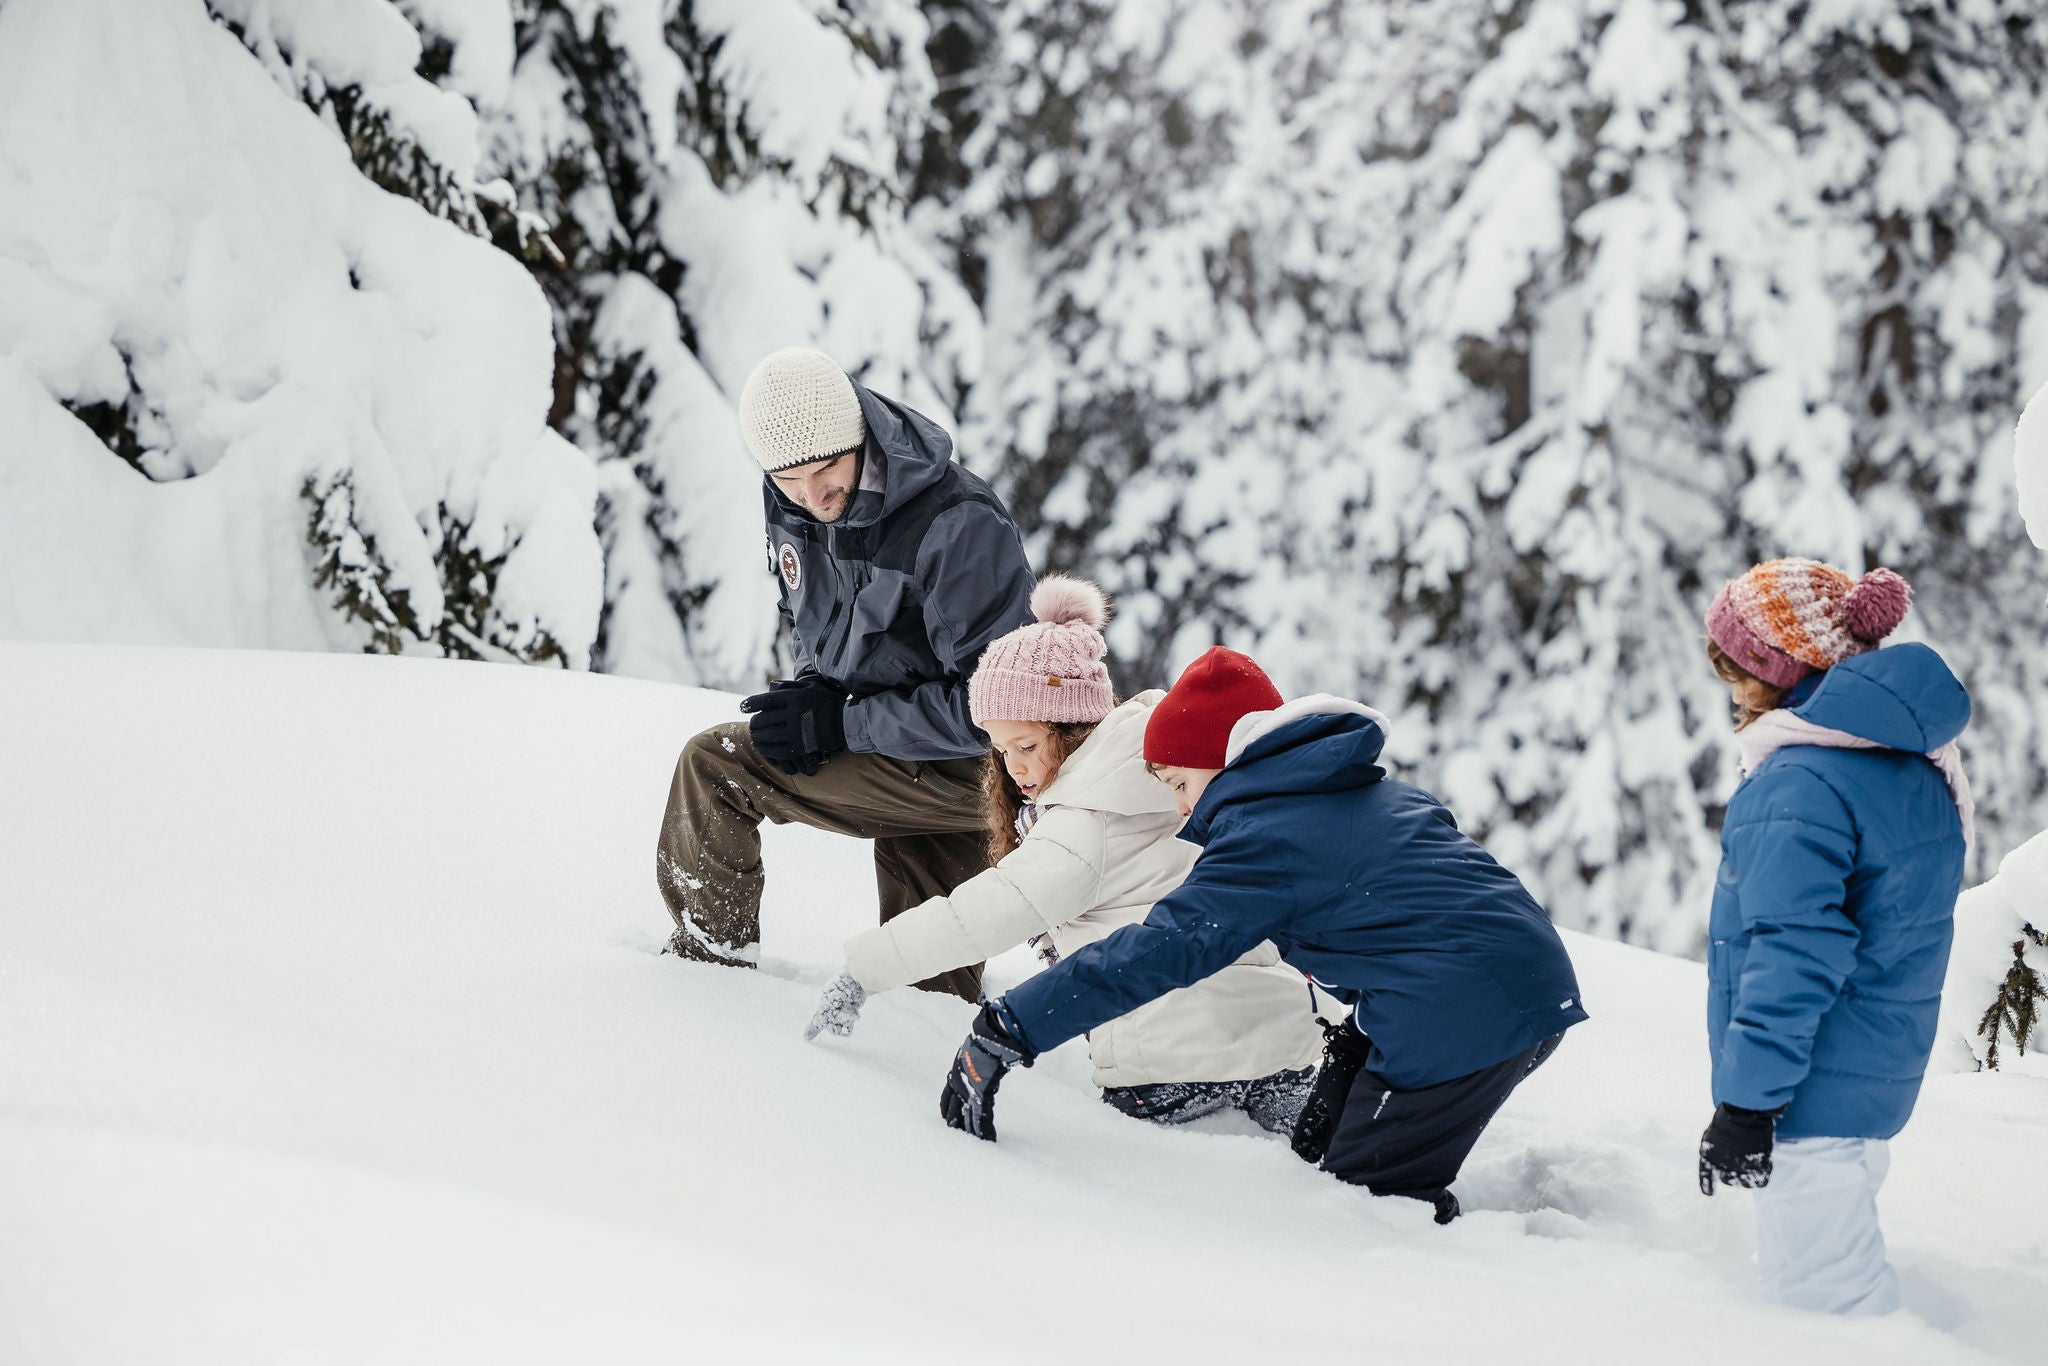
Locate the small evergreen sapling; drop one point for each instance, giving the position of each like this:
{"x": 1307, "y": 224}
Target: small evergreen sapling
{"x": 2016, "y": 1007}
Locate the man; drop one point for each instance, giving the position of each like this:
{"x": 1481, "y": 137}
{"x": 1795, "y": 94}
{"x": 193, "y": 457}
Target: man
{"x": 897, "y": 567}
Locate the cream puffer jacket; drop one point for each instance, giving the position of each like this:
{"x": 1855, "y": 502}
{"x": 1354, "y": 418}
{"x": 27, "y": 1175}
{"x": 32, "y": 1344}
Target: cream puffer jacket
{"x": 1103, "y": 850}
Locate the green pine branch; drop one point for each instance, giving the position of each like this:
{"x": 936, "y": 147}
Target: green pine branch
{"x": 472, "y": 626}
{"x": 346, "y": 562}
{"x": 2016, "y": 1008}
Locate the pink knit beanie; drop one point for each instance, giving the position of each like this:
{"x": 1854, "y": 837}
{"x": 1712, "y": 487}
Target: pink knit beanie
{"x": 1789, "y": 618}
{"x": 1052, "y": 669}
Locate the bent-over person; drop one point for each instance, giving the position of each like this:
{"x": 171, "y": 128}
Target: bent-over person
{"x": 897, "y": 568}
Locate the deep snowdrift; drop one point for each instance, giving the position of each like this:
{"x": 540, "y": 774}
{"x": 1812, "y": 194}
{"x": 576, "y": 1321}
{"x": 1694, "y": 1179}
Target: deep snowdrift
{"x": 335, "y": 1030}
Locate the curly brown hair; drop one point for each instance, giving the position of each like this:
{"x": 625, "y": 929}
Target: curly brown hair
{"x": 1000, "y": 798}
{"x": 1753, "y": 696}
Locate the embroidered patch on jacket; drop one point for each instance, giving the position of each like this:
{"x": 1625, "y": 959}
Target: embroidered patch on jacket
{"x": 790, "y": 565}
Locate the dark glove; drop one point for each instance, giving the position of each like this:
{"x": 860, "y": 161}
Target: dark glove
{"x": 1345, "y": 1050}
{"x": 798, "y": 723}
{"x": 969, "y": 1100}
{"x": 1736, "y": 1148}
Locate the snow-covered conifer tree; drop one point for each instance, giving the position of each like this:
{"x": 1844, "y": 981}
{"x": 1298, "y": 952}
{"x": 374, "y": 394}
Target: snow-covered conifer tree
{"x": 354, "y": 64}
{"x": 1449, "y": 353}
{"x": 1456, "y": 352}
{"x": 247, "y": 396}
{"x": 719, "y": 179}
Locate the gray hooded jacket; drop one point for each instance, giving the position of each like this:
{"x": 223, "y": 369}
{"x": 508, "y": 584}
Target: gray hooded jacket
{"x": 897, "y": 599}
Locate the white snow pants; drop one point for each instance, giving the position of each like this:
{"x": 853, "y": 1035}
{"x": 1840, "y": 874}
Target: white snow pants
{"x": 1817, "y": 1242}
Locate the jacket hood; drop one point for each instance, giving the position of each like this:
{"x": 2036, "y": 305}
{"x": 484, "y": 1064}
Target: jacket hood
{"x": 1253, "y": 726}
{"x": 1901, "y": 697}
{"x": 1313, "y": 744}
{"x": 913, "y": 451}
{"x": 1107, "y": 773}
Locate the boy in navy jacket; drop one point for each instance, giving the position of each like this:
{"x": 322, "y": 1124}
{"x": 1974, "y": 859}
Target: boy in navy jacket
{"x": 1460, "y": 987}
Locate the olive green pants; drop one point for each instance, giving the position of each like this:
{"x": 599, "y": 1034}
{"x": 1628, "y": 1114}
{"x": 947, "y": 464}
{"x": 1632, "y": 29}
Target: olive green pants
{"x": 925, "y": 820}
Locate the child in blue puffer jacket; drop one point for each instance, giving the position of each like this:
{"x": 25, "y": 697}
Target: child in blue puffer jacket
{"x": 1841, "y": 858}
{"x": 1460, "y": 987}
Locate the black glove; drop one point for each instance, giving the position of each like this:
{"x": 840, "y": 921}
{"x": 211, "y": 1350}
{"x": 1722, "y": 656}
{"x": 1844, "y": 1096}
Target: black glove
{"x": 1736, "y": 1148}
{"x": 1345, "y": 1050}
{"x": 969, "y": 1100}
{"x": 798, "y": 723}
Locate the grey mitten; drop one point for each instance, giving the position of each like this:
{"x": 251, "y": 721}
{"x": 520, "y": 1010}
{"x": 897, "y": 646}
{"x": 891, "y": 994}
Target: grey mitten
{"x": 839, "y": 1007}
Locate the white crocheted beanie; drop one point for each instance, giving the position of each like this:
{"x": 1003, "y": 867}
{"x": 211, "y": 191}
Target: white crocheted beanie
{"x": 799, "y": 406}
{"x": 1050, "y": 670}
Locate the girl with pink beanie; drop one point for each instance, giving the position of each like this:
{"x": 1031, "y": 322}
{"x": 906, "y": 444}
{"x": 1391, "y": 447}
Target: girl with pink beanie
{"x": 1841, "y": 857}
{"x": 1083, "y": 842}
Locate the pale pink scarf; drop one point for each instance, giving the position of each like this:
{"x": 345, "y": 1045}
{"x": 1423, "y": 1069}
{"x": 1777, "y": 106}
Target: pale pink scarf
{"x": 1774, "y": 730}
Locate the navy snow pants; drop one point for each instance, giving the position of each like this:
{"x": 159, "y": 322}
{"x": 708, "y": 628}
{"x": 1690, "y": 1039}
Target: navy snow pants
{"x": 1413, "y": 1142}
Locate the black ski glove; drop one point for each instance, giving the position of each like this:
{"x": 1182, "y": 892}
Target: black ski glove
{"x": 799, "y": 723}
{"x": 969, "y": 1100}
{"x": 1345, "y": 1050}
{"x": 1736, "y": 1148}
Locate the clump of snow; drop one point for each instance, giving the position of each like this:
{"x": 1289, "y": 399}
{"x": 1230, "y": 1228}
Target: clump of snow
{"x": 688, "y": 476}
{"x": 355, "y": 1044}
{"x": 636, "y": 26}
{"x": 797, "y": 83}
{"x": 480, "y": 36}
{"x": 367, "y": 44}
{"x": 2030, "y": 466}
{"x": 183, "y": 237}
{"x": 1989, "y": 921}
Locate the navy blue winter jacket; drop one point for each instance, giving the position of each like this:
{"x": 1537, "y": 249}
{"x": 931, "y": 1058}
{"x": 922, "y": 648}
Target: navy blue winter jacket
{"x": 1362, "y": 882}
{"x": 1832, "y": 917}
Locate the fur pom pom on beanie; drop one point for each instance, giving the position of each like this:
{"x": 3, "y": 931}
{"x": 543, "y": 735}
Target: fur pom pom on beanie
{"x": 1050, "y": 670}
{"x": 1789, "y": 618}
{"x": 798, "y": 406}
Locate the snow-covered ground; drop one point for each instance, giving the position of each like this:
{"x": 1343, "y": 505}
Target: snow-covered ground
{"x": 332, "y": 1029}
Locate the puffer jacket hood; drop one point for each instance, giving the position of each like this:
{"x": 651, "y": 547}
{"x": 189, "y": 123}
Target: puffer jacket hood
{"x": 912, "y": 449}
{"x": 1901, "y": 697}
{"x": 1312, "y": 745}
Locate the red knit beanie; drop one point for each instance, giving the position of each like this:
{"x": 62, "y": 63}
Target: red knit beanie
{"x": 1190, "y": 728}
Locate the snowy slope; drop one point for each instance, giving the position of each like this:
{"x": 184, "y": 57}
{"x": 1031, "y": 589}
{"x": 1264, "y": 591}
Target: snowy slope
{"x": 334, "y": 1031}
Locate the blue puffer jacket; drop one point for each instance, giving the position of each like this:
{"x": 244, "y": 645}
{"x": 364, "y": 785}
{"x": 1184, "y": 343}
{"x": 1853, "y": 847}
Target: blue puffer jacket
{"x": 1362, "y": 882}
{"x": 1832, "y": 917}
